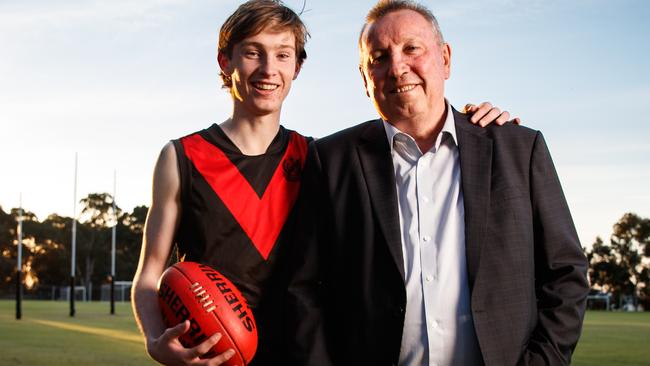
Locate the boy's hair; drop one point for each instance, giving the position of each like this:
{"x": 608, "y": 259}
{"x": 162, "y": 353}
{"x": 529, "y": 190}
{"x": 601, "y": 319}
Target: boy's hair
{"x": 253, "y": 17}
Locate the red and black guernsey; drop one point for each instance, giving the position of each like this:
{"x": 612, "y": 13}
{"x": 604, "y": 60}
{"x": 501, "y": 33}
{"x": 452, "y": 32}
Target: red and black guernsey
{"x": 235, "y": 213}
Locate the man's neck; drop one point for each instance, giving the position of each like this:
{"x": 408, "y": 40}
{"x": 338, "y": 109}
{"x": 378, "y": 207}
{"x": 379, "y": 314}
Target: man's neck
{"x": 252, "y": 136}
{"x": 424, "y": 128}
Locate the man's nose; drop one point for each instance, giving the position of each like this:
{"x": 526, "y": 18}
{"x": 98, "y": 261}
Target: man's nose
{"x": 397, "y": 66}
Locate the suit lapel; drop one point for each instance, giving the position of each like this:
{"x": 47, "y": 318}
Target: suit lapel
{"x": 475, "y": 150}
{"x": 377, "y": 167}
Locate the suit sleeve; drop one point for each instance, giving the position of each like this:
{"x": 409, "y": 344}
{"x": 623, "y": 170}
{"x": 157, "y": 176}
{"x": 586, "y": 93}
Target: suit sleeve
{"x": 560, "y": 267}
{"x": 304, "y": 311}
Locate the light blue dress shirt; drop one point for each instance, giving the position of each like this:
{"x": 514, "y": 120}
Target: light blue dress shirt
{"x": 438, "y": 327}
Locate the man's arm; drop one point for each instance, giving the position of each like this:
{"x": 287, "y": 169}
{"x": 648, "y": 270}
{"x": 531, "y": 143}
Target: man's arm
{"x": 162, "y": 221}
{"x": 560, "y": 267}
{"x": 304, "y": 311}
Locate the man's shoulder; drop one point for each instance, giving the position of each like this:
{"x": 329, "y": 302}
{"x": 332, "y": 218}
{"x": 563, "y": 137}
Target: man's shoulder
{"x": 350, "y": 136}
{"x": 506, "y": 130}
{"x": 510, "y": 130}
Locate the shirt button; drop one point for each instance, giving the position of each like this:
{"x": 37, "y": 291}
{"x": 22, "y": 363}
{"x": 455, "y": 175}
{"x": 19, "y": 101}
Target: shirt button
{"x": 429, "y": 278}
{"x": 425, "y": 199}
{"x": 426, "y": 238}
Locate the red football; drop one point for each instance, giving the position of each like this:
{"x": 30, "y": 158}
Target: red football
{"x": 198, "y": 293}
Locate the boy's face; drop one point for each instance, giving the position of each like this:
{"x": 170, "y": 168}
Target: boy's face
{"x": 262, "y": 68}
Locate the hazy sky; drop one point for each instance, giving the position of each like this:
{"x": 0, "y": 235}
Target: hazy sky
{"x": 115, "y": 80}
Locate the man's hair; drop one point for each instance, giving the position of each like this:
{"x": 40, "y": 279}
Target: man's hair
{"x": 384, "y": 7}
{"x": 253, "y": 17}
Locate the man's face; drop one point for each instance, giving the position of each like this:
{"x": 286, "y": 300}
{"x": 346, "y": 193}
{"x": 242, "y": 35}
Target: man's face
{"x": 262, "y": 68}
{"x": 404, "y": 67}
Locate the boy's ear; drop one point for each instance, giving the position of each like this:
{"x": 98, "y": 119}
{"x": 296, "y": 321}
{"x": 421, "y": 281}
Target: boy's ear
{"x": 298, "y": 68}
{"x": 224, "y": 62}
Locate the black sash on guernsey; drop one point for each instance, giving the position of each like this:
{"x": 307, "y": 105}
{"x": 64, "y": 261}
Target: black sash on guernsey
{"x": 235, "y": 210}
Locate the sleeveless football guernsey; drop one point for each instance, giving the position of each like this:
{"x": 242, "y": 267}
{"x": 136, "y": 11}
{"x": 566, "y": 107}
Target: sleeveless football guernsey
{"x": 235, "y": 213}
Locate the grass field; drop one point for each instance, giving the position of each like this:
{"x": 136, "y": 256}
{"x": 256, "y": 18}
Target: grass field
{"x": 612, "y": 338}
{"x": 48, "y": 336}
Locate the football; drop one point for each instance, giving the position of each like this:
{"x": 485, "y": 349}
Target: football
{"x": 198, "y": 293}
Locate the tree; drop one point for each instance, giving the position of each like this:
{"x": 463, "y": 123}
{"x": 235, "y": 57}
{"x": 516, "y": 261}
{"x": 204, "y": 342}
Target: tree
{"x": 52, "y": 265}
{"x": 622, "y": 267}
{"x": 47, "y": 250}
{"x": 129, "y": 240}
{"x": 7, "y": 251}
{"x": 94, "y": 237}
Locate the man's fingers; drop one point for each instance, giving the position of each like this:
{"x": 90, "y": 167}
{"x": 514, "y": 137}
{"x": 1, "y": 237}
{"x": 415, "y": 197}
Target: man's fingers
{"x": 469, "y": 108}
{"x": 516, "y": 121}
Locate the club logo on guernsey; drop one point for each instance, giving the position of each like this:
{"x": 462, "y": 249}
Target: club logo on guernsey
{"x": 292, "y": 168}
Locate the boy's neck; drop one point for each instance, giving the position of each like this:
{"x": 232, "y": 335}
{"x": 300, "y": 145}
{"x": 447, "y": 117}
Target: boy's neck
{"x": 252, "y": 136}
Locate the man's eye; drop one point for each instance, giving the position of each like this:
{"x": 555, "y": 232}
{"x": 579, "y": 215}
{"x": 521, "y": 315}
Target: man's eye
{"x": 284, "y": 56}
{"x": 252, "y": 54}
{"x": 374, "y": 60}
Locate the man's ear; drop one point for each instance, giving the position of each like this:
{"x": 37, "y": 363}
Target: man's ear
{"x": 365, "y": 82}
{"x": 224, "y": 62}
{"x": 446, "y": 58}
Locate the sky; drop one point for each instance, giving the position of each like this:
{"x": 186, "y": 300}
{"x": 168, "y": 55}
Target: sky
{"x": 115, "y": 80}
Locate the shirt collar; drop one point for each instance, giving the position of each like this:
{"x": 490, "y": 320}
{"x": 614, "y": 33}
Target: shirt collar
{"x": 449, "y": 127}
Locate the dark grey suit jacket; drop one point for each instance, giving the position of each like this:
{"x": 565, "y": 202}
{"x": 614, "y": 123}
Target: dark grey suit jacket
{"x": 526, "y": 269}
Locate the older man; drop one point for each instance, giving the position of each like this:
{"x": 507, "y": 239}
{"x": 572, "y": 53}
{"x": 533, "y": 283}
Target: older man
{"x": 429, "y": 240}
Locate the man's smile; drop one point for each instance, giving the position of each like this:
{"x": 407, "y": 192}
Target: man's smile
{"x": 404, "y": 88}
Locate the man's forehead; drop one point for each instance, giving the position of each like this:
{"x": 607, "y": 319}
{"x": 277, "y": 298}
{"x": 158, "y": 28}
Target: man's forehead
{"x": 399, "y": 26}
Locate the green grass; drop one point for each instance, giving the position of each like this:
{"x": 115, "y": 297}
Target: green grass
{"x": 612, "y": 338}
{"x": 48, "y": 336}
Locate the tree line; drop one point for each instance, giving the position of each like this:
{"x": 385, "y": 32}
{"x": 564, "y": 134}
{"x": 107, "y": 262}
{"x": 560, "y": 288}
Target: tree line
{"x": 619, "y": 268}
{"x": 46, "y": 253}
